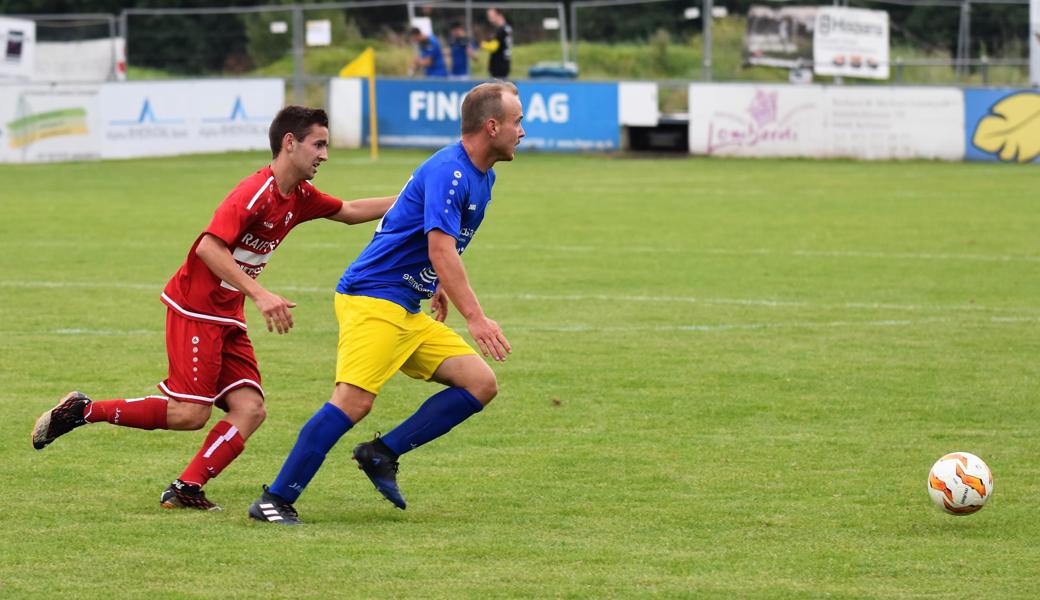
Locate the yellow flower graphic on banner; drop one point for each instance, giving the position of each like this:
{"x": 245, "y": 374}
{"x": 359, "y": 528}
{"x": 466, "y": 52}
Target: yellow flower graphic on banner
{"x": 1012, "y": 128}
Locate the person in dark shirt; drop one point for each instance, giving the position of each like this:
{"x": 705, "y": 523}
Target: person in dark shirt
{"x": 500, "y": 45}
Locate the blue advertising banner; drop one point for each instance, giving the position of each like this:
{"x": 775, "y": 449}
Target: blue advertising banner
{"x": 1000, "y": 125}
{"x": 558, "y": 116}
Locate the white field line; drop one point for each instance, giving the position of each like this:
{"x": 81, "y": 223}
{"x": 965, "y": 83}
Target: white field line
{"x": 119, "y": 332}
{"x": 758, "y": 302}
{"x": 934, "y": 256}
{"x": 763, "y": 302}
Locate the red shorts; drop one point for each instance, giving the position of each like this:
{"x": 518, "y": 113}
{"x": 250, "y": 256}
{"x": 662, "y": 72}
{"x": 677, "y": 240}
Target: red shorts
{"x": 207, "y": 360}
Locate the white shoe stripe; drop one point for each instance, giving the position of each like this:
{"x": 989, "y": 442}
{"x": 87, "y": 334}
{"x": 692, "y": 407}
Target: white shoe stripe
{"x": 267, "y": 506}
{"x": 271, "y": 512}
{"x": 275, "y": 518}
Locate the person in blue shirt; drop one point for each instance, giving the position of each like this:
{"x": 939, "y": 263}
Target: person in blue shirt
{"x": 430, "y": 57}
{"x": 415, "y": 254}
{"x": 463, "y": 50}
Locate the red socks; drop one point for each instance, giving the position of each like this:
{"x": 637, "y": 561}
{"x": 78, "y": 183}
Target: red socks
{"x": 222, "y": 445}
{"x": 141, "y": 413}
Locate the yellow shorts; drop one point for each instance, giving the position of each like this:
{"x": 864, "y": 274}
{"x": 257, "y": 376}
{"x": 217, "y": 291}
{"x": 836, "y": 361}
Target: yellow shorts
{"x": 378, "y": 337}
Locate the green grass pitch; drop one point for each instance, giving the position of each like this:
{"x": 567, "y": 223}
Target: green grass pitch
{"x": 729, "y": 380}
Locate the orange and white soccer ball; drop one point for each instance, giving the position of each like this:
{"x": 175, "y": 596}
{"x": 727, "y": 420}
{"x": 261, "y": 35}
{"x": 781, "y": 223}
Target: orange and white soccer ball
{"x": 960, "y": 483}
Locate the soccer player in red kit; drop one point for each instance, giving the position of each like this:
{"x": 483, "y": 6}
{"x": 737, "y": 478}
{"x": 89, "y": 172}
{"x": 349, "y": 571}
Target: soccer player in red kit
{"x": 211, "y": 359}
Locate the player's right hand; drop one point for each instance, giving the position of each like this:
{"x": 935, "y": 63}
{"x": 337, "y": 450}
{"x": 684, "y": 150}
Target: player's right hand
{"x": 275, "y": 310}
{"x": 489, "y": 337}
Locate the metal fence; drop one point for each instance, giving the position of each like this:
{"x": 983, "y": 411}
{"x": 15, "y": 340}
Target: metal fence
{"x": 276, "y": 39}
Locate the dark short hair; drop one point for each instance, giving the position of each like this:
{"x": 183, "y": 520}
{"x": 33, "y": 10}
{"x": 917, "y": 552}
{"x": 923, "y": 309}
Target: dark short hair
{"x": 484, "y": 102}
{"x": 456, "y": 25}
{"x": 414, "y": 31}
{"x": 296, "y": 120}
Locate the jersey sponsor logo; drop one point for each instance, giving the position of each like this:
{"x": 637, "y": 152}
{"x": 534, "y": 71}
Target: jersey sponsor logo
{"x": 428, "y": 275}
{"x": 258, "y": 244}
{"x": 252, "y": 271}
{"x": 417, "y": 286}
{"x": 288, "y": 217}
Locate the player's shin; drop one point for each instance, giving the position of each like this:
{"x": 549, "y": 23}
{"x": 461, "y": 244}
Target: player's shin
{"x": 316, "y": 438}
{"x": 140, "y": 413}
{"x": 437, "y": 416}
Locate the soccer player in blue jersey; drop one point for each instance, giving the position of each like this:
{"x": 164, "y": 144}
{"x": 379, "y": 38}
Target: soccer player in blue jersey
{"x": 463, "y": 50}
{"x": 430, "y": 57}
{"x": 415, "y": 254}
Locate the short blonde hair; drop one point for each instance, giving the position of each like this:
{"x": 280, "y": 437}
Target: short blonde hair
{"x": 484, "y": 102}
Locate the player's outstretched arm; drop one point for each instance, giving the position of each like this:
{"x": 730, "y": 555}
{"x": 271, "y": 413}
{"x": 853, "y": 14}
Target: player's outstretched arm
{"x": 453, "y": 281}
{"x": 364, "y": 210}
{"x": 215, "y": 254}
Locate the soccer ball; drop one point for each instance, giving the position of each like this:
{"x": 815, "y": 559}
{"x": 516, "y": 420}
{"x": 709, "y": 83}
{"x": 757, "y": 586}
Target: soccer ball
{"x": 960, "y": 483}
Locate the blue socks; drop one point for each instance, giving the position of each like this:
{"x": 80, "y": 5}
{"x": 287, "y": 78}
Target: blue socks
{"x": 317, "y": 437}
{"x": 437, "y": 416}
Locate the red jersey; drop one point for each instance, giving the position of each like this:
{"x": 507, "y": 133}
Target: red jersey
{"x": 252, "y": 220}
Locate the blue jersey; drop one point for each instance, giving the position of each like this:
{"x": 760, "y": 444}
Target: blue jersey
{"x": 431, "y": 48}
{"x": 460, "y": 56}
{"x": 447, "y": 193}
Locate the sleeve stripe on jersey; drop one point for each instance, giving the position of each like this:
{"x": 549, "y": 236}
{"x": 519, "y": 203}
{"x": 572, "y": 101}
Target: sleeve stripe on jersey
{"x": 260, "y": 191}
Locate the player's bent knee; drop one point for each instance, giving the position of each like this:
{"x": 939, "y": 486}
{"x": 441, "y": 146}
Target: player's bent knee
{"x": 355, "y": 402}
{"x": 249, "y": 407}
{"x": 257, "y": 413}
{"x": 187, "y": 416}
{"x": 484, "y": 389}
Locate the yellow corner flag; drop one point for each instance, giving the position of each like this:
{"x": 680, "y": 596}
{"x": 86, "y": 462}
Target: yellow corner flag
{"x": 365, "y": 66}
{"x": 362, "y": 66}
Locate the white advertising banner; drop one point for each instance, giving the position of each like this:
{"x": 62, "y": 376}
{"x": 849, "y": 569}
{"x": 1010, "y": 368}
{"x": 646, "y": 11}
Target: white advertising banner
{"x": 637, "y": 104}
{"x": 41, "y": 123}
{"x": 17, "y": 49}
{"x": 826, "y": 121}
{"x": 163, "y": 118}
{"x": 1034, "y": 43}
{"x": 345, "y": 112}
{"x": 851, "y": 42}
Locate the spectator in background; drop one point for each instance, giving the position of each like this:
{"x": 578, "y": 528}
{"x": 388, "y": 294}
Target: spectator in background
{"x": 462, "y": 50}
{"x": 500, "y": 45}
{"x": 430, "y": 56}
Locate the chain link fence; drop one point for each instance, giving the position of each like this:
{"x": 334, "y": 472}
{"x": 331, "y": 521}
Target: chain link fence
{"x": 967, "y": 42}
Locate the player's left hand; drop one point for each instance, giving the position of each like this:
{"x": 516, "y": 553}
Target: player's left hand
{"x": 489, "y": 337}
{"x": 439, "y": 305}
